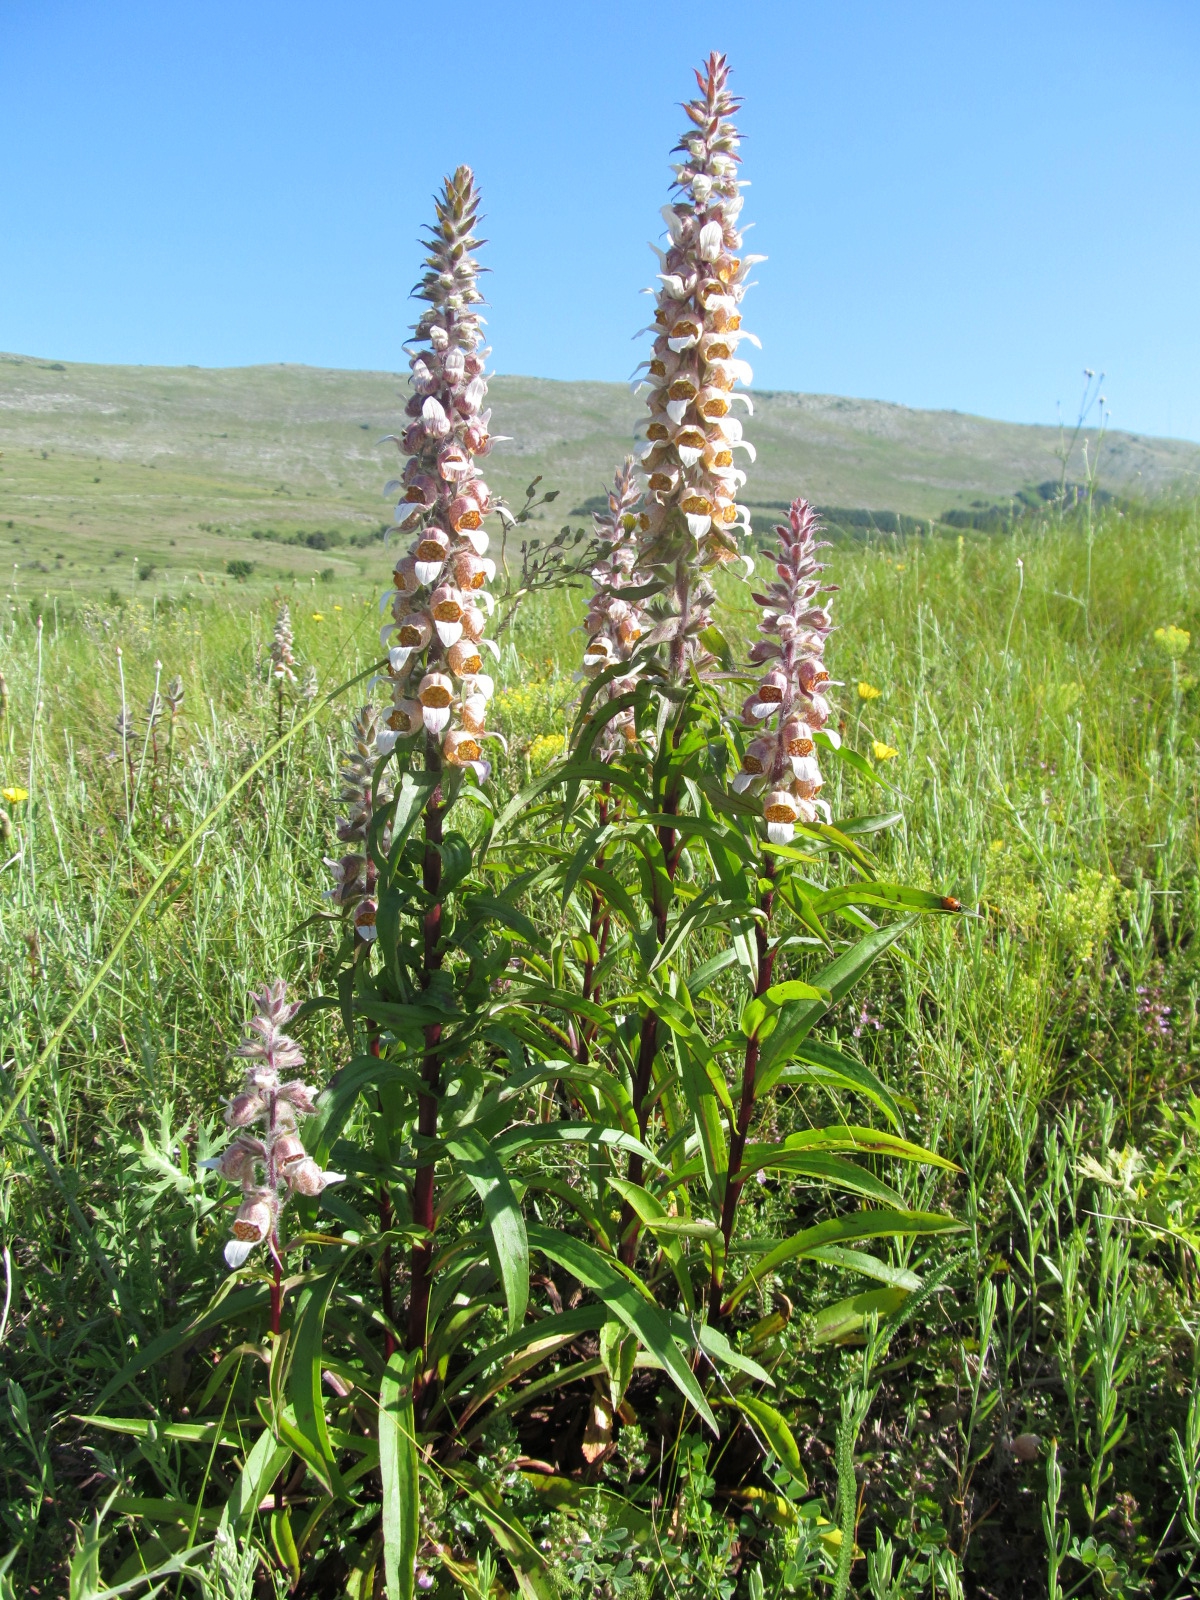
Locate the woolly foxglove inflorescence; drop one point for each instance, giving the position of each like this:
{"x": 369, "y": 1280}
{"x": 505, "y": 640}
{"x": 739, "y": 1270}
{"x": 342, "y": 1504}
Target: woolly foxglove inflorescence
{"x": 439, "y": 600}
{"x": 692, "y": 514}
{"x": 283, "y": 662}
{"x": 789, "y": 707}
{"x": 272, "y": 1164}
{"x": 353, "y": 872}
{"x": 614, "y": 625}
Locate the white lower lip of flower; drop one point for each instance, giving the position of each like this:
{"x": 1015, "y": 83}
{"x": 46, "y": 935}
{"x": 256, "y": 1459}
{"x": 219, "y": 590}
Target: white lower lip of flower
{"x": 481, "y": 683}
{"x": 781, "y": 832}
{"x": 806, "y": 770}
{"x": 687, "y": 455}
{"x": 481, "y": 769}
{"x": 386, "y": 632}
{"x": 697, "y": 526}
{"x": 477, "y": 539}
{"x": 435, "y": 717}
{"x": 385, "y": 742}
{"x": 398, "y": 656}
{"x": 677, "y": 410}
{"x": 236, "y": 1252}
{"x": 829, "y": 736}
{"x": 764, "y": 708}
{"x": 427, "y": 571}
{"x": 449, "y": 632}
{"x": 743, "y": 780}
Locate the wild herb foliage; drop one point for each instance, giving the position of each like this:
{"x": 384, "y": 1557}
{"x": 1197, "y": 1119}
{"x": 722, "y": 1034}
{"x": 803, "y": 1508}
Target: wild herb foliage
{"x": 1044, "y": 1047}
{"x": 698, "y": 1199}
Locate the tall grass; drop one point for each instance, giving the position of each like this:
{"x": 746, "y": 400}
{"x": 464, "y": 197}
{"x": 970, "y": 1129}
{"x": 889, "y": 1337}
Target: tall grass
{"x": 1047, "y": 754}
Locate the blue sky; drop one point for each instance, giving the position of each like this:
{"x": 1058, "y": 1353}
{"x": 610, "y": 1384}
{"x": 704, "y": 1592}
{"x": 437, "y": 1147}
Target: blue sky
{"x": 963, "y": 205}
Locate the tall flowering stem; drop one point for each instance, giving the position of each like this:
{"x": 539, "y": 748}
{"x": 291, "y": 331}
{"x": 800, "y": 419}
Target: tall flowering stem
{"x": 613, "y": 625}
{"x": 692, "y": 517}
{"x": 271, "y": 1164}
{"x": 786, "y": 710}
{"x": 283, "y": 661}
{"x": 440, "y": 605}
{"x": 354, "y": 893}
{"x": 692, "y": 521}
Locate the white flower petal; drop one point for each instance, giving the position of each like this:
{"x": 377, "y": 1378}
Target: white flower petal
{"x": 711, "y": 241}
{"x": 449, "y": 632}
{"x": 781, "y": 832}
{"x": 697, "y": 526}
{"x": 427, "y": 571}
{"x": 385, "y": 741}
{"x": 477, "y": 539}
{"x": 677, "y": 410}
{"x": 236, "y": 1252}
{"x": 435, "y": 717}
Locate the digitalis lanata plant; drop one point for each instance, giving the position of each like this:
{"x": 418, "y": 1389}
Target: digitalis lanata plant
{"x": 439, "y": 600}
{"x": 789, "y": 703}
{"x": 613, "y": 624}
{"x": 692, "y": 518}
{"x": 271, "y": 1164}
{"x": 353, "y": 872}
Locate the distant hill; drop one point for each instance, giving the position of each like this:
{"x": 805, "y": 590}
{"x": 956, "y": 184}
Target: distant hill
{"x": 189, "y": 468}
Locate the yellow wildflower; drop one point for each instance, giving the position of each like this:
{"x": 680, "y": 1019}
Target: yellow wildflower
{"x": 318, "y": 616}
{"x": 882, "y": 752}
{"x": 546, "y": 749}
{"x": 1172, "y": 641}
{"x": 14, "y": 794}
{"x": 868, "y": 691}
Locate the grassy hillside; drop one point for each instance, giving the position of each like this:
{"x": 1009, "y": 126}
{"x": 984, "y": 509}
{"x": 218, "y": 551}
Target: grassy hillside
{"x": 180, "y": 467}
{"x": 1040, "y": 730}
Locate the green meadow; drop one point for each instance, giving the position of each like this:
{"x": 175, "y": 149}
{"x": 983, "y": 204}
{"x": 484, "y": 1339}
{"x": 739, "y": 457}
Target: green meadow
{"x": 1027, "y": 708}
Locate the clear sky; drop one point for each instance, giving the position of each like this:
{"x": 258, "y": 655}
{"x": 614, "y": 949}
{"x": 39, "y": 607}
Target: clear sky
{"x": 964, "y": 204}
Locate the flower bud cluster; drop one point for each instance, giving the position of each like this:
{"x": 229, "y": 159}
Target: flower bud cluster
{"x": 691, "y": 509}
{"x": 613, "y": 624}
{"x": 353, "y": 872}
{"x": 789, "y": 707}
{"x": 439, "y": 601}
{"x": 283, "y": 662}
{"x": 272, "y": 1164}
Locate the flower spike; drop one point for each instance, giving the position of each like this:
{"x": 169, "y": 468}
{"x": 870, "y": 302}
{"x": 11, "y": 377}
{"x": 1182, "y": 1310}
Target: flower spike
{"x": 692, "y": 517}
{"x": 272, "y": 1168}
{"x": 439, "y": 604}
{"x": 614, "y": 625}
{"x": 788, "y": 708}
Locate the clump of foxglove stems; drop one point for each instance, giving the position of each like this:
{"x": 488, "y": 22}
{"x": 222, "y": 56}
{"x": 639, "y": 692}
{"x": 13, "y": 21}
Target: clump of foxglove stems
{"x": 271, "y": 1163}
{"x": 788, "y": 706}
{"x": 439, "y": 600}
{"x": 692, "y": 517}
{"x": 613, "y": 624}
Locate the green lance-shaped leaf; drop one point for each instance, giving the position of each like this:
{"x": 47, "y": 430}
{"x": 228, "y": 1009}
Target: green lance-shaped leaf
{"x": 304, "y": 1384}
{"x": 813, "y": 1061}
{"x": 850, "y": 1316}
{"x": 889, "y": 896}
{"x": 651, "y": 1212}
{"x": 267, "y": 1459}
{"x": 799, "y": 1017}
{"x": 768, "y": 1424}
{"x": 876, "y": 1223}
{"x": 628, "y": 1299}
{"x": 487, "y": 1177}
{"x": 399, "y": 1471}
